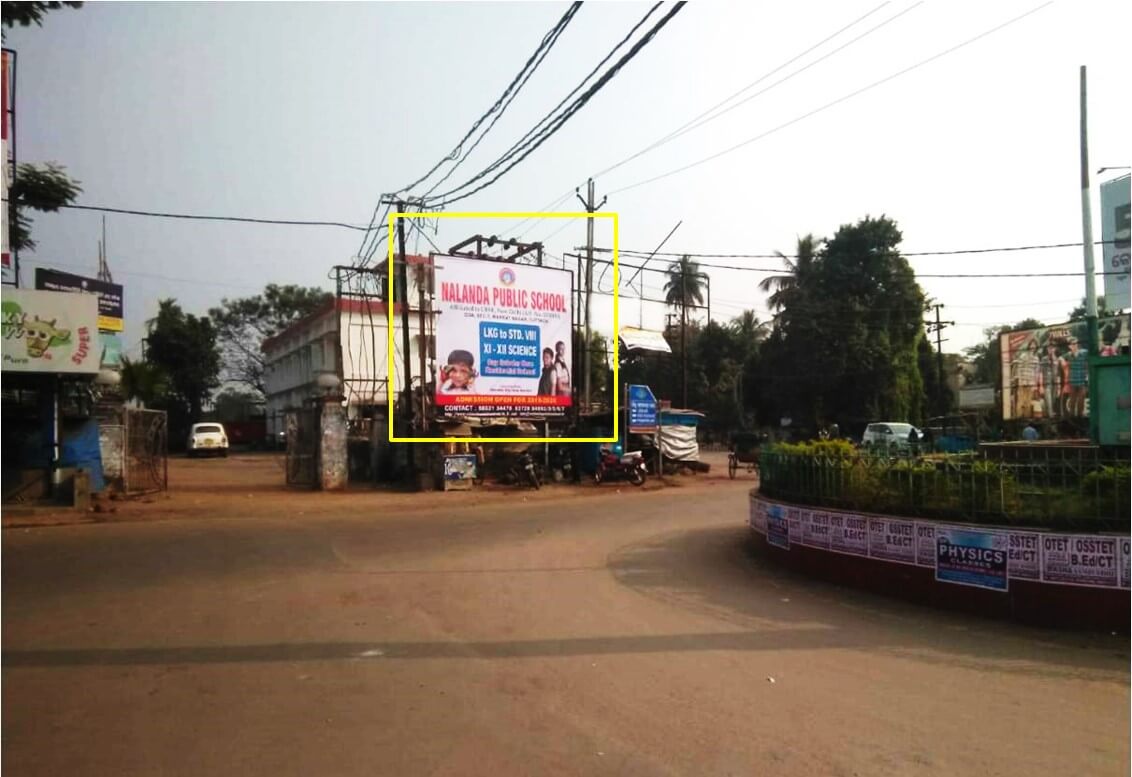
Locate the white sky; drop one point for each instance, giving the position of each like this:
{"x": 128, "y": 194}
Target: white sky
{"x": 310, "y": 111}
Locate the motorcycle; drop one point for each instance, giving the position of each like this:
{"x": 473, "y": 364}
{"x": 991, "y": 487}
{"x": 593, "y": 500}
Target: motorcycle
{"x": 562, "y": 464}
{"x": 524, "y": 471}
{"x": 630, "y": 466}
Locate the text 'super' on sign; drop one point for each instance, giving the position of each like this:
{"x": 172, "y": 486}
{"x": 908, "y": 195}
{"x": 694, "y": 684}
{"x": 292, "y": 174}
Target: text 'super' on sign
{"x": 47, "y": 331}
{"x": 503, "y": 344}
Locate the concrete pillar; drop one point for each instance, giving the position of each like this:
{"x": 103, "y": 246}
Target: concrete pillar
{"x": 333, "y": 463}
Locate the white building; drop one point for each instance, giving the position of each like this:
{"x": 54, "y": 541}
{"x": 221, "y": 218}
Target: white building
{"x": 349, "y": 339}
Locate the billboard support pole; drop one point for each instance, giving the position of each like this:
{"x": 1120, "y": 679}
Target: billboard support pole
{"x": 403, "y": 278}
{"x": 1087, "y": 235}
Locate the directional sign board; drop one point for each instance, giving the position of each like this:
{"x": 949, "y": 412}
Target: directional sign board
{"x": 643, "y": 415}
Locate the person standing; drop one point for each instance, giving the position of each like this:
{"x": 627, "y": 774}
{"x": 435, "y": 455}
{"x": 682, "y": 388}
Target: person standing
{"x": 1049, "y": 381}
{"x": 562, "y": 380}
{"x": 547, "y": 384}
{"x": 1078, "y": 361}
{"x": 1025, "y": 380}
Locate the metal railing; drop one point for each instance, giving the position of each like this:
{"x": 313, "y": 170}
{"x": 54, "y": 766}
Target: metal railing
{"x": 1059, "y": 494}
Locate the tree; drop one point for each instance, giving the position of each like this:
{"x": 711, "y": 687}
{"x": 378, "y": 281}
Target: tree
{"x": 845, "y": 345}
{"x": 683, "y": 289}
{"x": 1078, "y": 313}
{"x": 45, "y": 188}
{"x": 233, "y": 404}
{"x": 749, "y": 331}
{"x": 27, "y": 14}
{"x": 144, "y": 381}
{"x": 780, "y": 287}
{"x": 243, "y": 324}
{"x": 184, "y": 347}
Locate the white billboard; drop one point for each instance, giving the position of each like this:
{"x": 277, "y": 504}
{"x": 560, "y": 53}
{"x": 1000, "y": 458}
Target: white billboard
{"x": 1115, "y": 232}
{"x": 502, "y": 339}
{"x": 49, "y": 331}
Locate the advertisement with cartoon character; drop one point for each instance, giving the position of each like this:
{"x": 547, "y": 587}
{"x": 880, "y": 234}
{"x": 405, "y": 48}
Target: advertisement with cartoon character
{"x": 502, "y": 339}
{"x": 47, "y": 331}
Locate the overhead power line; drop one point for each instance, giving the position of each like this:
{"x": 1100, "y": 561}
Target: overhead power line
{"x": 777, "y": 255}
{"x": 504, "y": 100}
{"x": 525, "y": 148}
{"x": 240, "y": 219}
{"x": 833, "y": 103}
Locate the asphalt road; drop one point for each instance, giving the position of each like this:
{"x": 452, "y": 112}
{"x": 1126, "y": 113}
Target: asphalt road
{"x": 631, "y": 634}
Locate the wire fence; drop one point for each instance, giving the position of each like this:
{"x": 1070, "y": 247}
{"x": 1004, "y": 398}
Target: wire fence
{"x": 1070, "y": 494}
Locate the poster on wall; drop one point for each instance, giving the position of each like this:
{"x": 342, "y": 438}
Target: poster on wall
{"x": 971, "y": 557}
{"x": 892, "y": 540}
{"x": 925, "y": 544}
{"x": 1125, "y": 548}
{"x": 777, "y": 527}
{"x": 1024, "y": 555}
{"x": 815, "y": 532}
{"x": 1080, "y": 560}
{"x": 794, "y": 518}
{"x": 503, "y": 339}
{"x": 758, "y": 515}
{"x": 849, "y": 534}
{"x": 46, "y": 331}
{"x": 1045, "y": 372}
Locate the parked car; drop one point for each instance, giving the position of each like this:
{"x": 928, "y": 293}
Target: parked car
{"x": 890, "y": 435}
{"x": 207, "y": 439}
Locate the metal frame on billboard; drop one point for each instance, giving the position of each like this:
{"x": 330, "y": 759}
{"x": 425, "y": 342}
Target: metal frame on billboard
{"x": 503, "y": 215}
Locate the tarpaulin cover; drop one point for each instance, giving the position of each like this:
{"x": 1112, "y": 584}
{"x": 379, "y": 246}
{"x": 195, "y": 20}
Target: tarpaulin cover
{"x": 679, "y": 443}
{"x": 82, "y": 448}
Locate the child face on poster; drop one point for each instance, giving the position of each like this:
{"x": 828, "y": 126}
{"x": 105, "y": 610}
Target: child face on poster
{"x": 459, "y": 373}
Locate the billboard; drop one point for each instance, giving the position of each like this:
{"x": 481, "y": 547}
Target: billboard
{"x": 1115, "y": 232}
{"x": 46, "y": 331}
{"x": 503, "y": 339}
{"x": 109, "y": 294}
{"x": 1045, "y": 372}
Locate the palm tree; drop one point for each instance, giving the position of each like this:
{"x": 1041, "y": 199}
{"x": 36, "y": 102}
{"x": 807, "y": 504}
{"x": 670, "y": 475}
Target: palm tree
{"x": 749, "y": 330}
{"x": 143, "y": 381}
{"x": 782, "y": 287}
{"x": 685, "y": 285}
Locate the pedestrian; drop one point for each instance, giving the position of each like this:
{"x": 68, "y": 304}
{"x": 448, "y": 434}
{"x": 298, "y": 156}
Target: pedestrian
{"x": 1030, "y": 434}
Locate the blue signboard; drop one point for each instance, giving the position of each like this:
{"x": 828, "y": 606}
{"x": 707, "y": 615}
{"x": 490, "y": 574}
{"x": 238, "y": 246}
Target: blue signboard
{"x": 971, "y": 557}
{"x": 777, "y": 527}
{"x": 509, "y": 350}
{"x": 643, "y": 415}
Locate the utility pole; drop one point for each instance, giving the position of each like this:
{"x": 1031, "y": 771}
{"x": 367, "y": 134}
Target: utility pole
{"x": 937, "y": 326}
{"x": 422, "y": 328}
{"x": 684, "y": 328}
{"x": 1087, "y": 230}
{"x": 588, "y": 203}
{"x": 407, "y": 356}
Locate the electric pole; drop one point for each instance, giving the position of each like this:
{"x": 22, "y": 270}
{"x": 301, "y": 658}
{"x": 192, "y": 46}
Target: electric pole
{"x": 1087, "y": 230}
{"x": 684, "y": 328}
{"x": 937, "y": 327}
{"x": 588, "y": 203}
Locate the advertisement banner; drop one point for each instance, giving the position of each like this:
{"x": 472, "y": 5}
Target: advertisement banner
{"x": 849, "y": 534}
{"x": 503, "y": 338}
{"x": 758, "y": 515}
{"x": 109, "y": 294}
{"x": 644, "y": 418}
{"x": 1115, "y": 232}
{"x": 815, "y": 532}
{"x": 1045, "y": 372}
{"x": 45, "y": 331}
{"x": 1024, "y": 553}
{"x": 777, "y": 527}
{"x": 892, "y": 540}
{"x": 1125, "y": 552}
{"x": 971, "y": 557}
{"x": 794, "y": 521}
{"x": 925, "y": 544}
{"x": 1080, "y": 560}
{"x": 7, "y": 267}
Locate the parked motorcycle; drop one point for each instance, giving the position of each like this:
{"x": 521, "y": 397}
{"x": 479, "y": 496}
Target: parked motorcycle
{"x": 562, "y": 463}
{"x": 524, "y": 471}
{"x": 631, "y": 466}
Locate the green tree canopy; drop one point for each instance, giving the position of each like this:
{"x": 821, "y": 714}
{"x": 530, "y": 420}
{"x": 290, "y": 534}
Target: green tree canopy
{"x": 26, "y": 14}
{"x": 243, "y": 324}
{"x": 781, "y": 287}
{"x": 183, "y": 347}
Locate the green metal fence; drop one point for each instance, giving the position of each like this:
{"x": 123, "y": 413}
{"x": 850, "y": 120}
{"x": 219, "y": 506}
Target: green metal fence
{"x": 1072, "y": 494}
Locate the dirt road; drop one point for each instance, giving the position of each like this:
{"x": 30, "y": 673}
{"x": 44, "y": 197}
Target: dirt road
{"x": 630, "y": 634}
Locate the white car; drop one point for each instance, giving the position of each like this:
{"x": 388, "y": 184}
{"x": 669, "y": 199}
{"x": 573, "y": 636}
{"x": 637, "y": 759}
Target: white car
{"x": 890, "y": 435}
{"x": 207, "y": 439}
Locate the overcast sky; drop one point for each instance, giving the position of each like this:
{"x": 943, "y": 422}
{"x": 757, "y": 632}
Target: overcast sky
{"x": 311, "y": 111}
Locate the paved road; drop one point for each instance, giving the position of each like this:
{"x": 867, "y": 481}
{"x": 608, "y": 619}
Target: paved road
{"x": 631, "y": 635}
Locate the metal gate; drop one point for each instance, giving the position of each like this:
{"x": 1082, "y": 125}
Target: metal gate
{"x": 302, "y": 429}
{"x": 146, "y": 452}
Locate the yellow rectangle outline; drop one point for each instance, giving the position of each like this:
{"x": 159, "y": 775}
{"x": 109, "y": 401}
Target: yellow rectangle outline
{"x": 501, "y": 215}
